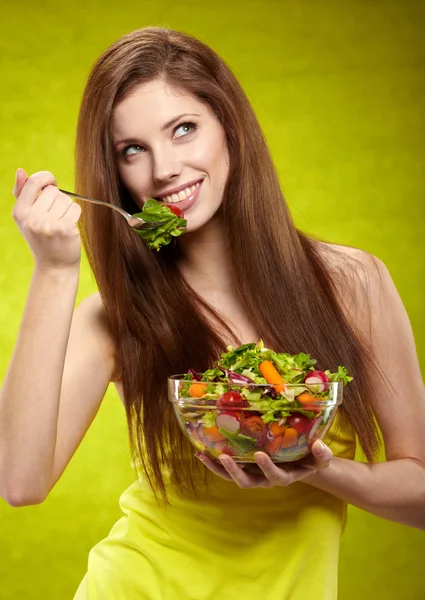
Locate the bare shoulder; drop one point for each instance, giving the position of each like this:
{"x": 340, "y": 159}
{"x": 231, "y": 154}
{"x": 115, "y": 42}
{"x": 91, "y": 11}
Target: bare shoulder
{"x": 362, "y": 282}
{"x": 370, "y": 299}
{"x": 90, "y": 317}
{"x": 337, "y": 257}
{"x": 361, "y": 270}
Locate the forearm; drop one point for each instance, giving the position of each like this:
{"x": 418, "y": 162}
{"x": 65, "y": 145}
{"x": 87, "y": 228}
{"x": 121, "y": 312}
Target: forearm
{"x": 393, "y": 490}
{"x": 29, "y": 398}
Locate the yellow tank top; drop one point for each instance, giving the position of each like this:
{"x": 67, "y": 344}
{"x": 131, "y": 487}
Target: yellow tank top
{"x": 273, "y": 544}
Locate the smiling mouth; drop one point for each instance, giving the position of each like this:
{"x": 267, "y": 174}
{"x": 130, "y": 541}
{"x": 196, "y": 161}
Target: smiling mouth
{"x": 179, "y": 196}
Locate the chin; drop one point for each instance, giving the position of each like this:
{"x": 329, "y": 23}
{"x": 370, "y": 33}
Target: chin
{"x": 196, "y": 222}
{"x": 193, "y": 226}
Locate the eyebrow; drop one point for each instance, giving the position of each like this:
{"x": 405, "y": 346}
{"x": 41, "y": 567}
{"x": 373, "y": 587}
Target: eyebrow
{"x": 164, "y": 127}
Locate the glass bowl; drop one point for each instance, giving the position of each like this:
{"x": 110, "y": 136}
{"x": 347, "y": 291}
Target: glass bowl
{"x": 244, "y": 418}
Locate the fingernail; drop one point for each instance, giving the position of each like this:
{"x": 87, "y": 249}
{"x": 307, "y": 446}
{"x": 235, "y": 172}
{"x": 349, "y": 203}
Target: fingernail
{"x": 321, "y": 448}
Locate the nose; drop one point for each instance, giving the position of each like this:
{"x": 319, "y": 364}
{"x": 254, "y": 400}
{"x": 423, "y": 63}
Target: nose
{"x": 165, "y": 166}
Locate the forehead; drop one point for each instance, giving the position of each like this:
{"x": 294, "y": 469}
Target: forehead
{"x": 152, "y": 104}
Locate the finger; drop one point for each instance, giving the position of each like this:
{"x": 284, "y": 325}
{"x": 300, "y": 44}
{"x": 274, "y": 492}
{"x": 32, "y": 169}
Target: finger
{"x": 20, "y": 179}
{"x": 322, "y": 454}
{"x": 214, "y": 467}
{"x": 44, "y": 202}
{"x": 24, "y": 213}
{"x": 60, "y": 206}
{"x": 275, "y": 475}
{"x": 73, "y": 213}
{"x": 242, "y": 479}
{"x": 33, "y": 186}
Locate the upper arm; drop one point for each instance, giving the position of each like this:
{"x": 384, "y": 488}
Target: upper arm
{"x": 90, "y": 365}
{"x": 379, "y": 315}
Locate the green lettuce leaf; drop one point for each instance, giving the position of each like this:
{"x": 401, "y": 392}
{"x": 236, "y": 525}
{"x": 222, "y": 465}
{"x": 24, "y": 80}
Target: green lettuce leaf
{"x": 251, "y": 395}
{"x": 247, "y": 356}
{"x": 208, "y": 419}
{"x": 340, "y": 375}
{"x": 211, "y": 374}
{"x": 172, "y": 226}
{"x": 241, "y": 443}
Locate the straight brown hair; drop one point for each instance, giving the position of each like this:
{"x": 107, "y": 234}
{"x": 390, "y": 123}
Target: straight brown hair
{"x": 160, "y": 325}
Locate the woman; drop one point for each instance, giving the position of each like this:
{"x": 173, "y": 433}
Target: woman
{"x": 162, "y": 113}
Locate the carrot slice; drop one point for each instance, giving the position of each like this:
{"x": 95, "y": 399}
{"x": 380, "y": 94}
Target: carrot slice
{"x": 290, "y": 438}
{"x": 306, "y": 398}
{"x": 197, "y": 390}
{"x": 212, "y": 434}
{"x": 308, "y": 401}
{"x": 277, "y": 429}
{"x": 272, "y": 447}
{"x": 272, "y": 375}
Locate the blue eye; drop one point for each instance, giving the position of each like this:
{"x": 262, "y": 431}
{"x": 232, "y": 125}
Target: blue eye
{"x": 185, "y": 126}
{"x": 126, "y": 150}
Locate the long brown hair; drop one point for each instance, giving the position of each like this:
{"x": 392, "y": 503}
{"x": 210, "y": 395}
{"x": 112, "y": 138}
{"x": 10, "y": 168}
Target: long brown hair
{"x": 160, "y": 325}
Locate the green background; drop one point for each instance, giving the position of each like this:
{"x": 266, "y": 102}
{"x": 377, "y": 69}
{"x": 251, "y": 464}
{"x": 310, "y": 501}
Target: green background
{"x": 339, "y": 89}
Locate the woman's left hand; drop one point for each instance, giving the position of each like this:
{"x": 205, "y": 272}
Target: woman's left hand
{"x": 268, "y": 474}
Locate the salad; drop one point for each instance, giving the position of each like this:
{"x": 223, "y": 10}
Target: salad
{"x": 175, "y": 224}
{"x": 257, "y": 399}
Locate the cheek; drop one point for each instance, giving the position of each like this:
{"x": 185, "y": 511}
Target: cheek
{"x": 212, "y": 157}
{"x": 135, "y": 182}
{"x": 222, "y": 170}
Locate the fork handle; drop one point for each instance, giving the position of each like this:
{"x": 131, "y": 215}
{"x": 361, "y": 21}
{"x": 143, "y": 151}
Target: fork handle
{"x": 134, "y": 222}
{"x": 94, "y": 201}
{"x": 78, "y": 196}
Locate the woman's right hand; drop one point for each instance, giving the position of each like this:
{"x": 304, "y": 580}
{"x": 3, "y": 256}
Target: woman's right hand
{"x": 47, "y": 219}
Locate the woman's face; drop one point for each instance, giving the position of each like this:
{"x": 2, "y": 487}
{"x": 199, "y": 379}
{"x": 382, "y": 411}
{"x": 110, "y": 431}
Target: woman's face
{"x": 170, "y": 146}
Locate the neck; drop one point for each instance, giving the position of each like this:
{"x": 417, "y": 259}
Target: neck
{"x": 205, "y": 260}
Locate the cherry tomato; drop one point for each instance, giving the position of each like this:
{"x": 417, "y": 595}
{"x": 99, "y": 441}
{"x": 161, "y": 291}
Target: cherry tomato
{"x": 230, "y": 400}
{"x": 176, "y": 210}
{"x": 254, "y": 427}
{"x": 299, "y": 422}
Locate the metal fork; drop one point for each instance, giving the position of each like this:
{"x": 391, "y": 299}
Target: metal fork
{"x": 134, "y": 222}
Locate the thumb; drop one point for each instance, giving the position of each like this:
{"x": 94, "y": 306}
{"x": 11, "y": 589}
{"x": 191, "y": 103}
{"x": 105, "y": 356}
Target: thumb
{"x": 20, "y": 179}
{"x": 322, "y": 454}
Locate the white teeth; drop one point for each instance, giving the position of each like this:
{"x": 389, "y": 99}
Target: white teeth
{"x": 181, "y": 195}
